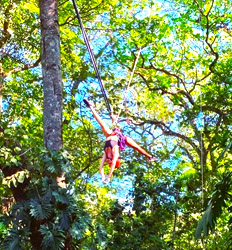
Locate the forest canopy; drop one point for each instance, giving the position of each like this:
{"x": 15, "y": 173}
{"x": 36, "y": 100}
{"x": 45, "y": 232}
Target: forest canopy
{"x": 179, "y": 109}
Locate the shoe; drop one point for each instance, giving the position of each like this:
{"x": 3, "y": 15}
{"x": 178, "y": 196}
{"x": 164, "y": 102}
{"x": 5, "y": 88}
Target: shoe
{"x": 153, "y": 158}
{"x": 87, "y": 103}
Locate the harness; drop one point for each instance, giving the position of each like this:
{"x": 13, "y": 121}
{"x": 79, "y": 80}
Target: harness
{"x": 110, "y": 144}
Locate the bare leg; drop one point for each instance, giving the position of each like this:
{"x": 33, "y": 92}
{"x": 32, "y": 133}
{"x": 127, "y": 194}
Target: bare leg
{"x": 101, "y": 166}
{"x": 115, "y": 152}
{"x": 131, "y": 143}
{"x": 103, "y": 125}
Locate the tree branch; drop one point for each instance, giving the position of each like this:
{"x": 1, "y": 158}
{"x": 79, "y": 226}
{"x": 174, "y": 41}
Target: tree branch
{"x": 6, "y": 33}
{"x": 189, "y": 155}
{"x": 25, "y": 67}
{"x": 88, "y": 165}
{"x": 87, "y": 12}
{"x": 166, "y": 72}
{"x": 167, "y": 131}
{"x": 215, "y": 110}
{"x": 213, "y": 52}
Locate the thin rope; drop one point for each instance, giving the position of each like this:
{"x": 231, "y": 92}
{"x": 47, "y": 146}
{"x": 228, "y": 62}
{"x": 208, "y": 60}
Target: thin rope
{"x": 202, "y": 155}
{"x": 131, "y": 77}
{"x": 92, "y": 57}
{"x": 133, "y": 70}
{"x": 128, "y": 85}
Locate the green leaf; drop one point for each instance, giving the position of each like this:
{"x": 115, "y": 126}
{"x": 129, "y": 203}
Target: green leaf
{"x": 205, "y": 223}
{"x": 53, "y": 237}
{"x": 101, "y": 236}
{"x": 12, "y": 242}
{"x": 64, "y": 219}
{"x": 40, "y": 210}
{"x": 229, "y": 146}
{"x": 214, "y": 209}
{"x": 3, "y": 230}
{"x": 62, "y": 198}
{"x": 14, "y": 181}
{"x": 21, "y": 178}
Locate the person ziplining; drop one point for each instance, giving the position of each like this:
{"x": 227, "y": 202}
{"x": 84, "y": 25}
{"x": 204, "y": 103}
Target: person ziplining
{"x": 115, "y": 141}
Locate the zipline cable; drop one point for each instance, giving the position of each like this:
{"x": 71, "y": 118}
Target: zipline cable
{"x": 92, "y": 56}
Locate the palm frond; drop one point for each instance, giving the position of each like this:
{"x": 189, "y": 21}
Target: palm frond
{"x": 215, "y": 206}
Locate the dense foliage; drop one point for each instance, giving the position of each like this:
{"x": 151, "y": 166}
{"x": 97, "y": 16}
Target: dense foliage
{"x": 179, "y": 106}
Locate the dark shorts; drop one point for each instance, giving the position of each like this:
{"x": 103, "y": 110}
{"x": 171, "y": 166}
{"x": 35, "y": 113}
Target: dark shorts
{"x": 110, "y": 144}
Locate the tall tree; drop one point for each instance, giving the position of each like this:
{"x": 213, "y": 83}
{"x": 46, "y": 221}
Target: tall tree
{"x": 52, "y": 89}
{"x": 51, "y": 70}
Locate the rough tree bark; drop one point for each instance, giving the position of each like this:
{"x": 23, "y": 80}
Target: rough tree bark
{"x": 51, "y": 69}
{"x": 52, "y": 88}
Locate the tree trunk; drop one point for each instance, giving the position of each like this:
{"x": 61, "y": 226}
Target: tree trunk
{"x": 1, "y": 89}
{"x": 52, "y": 88}
{"x": 51, "y": 69}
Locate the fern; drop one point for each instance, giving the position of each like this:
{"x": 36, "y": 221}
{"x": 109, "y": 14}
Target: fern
{"x": 40, "y": 210}
{"x": 215, "y": 206}
{"x": 53, "y": 237}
